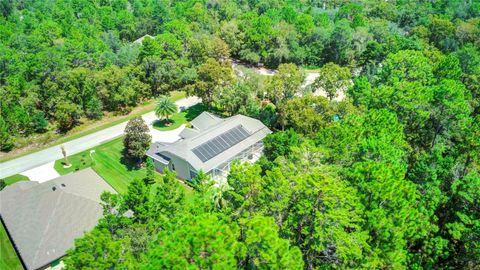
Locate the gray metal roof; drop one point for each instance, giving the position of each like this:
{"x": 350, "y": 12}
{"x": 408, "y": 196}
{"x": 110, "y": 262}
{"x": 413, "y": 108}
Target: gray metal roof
{"x": 188, "y": 133}
{"x": 43, "y": 219}
{"x": 205, "y": 120}
{"x": 184, "y": 148}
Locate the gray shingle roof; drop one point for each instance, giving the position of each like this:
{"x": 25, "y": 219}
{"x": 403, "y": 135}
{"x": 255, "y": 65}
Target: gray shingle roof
{"x": 183, "y": 148}
{"x": 44, "y": 219}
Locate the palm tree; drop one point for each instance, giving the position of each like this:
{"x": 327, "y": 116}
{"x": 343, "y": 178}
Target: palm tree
{"x": 165, "y": 107}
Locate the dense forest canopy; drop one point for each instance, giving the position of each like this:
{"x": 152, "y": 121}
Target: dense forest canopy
{"x": 387, "y": 178}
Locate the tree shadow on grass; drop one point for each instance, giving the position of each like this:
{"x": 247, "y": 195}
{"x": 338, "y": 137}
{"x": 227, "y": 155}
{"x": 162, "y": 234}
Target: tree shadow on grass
{"x": 194, "y": 111}
{"x": 132, "y": 164}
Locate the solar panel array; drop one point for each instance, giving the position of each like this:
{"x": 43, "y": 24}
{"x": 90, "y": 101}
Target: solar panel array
{"x": 219, "y": 144}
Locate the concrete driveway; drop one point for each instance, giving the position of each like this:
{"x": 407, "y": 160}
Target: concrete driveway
{"x": 53, "y": 153}
{"x": 42, "y": 173}
{"x": 169, "y": 136}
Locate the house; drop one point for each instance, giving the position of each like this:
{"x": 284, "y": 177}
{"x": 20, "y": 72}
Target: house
{"x": 211, "y": 145}
{"x": 44, "y": 219}
{"x": 140, "y": 40}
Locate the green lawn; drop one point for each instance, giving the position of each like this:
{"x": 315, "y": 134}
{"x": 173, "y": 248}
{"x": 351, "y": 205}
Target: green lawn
{"x": 180, "y": 118}
{"x": 8, "y": 256}
{"x": 108, "y": 161}
{"x": 15, "y": 178}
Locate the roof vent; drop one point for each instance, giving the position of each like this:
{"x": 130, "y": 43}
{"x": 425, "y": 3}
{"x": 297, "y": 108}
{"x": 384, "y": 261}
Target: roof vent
{"x": 54, "y": 188}
{"x": 63, "y": 185}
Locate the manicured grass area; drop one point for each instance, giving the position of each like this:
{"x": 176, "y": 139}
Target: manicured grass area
{"x": 78, "y": 161}
{"x": 15, "y": 178}
{"x": 180, "y": 118}
{"x": 50, "y": 139}
{"x": 8, "y": 257}
{"x": 108, "y": 161}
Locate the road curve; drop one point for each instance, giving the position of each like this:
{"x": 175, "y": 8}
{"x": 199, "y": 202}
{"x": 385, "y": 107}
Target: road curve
{"x": 53, "y": 153}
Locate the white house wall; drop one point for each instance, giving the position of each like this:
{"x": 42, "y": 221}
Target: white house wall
{"x": 158, "y": 166}
{"x": 182, "y": 168}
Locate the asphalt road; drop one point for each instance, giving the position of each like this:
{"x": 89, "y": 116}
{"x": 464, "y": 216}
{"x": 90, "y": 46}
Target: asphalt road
{"x": 53, "y": 153}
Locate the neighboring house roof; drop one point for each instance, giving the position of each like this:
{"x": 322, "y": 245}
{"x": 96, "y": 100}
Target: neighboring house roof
{"x": 217, "y": 141}
{"x": 140, "y": 40}
{"x": 44, "y": 219}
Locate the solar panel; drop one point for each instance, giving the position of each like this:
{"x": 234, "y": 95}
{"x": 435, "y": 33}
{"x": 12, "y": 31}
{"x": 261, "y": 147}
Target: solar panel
{"x": 219, "y": 144}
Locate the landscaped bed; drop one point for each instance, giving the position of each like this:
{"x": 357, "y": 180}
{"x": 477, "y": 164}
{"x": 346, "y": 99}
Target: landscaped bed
{"x": 180, "y": 118}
